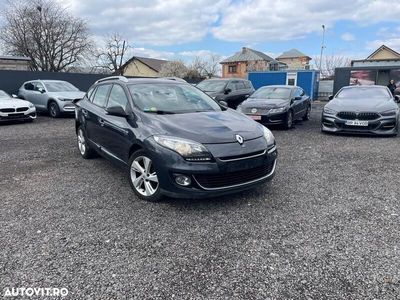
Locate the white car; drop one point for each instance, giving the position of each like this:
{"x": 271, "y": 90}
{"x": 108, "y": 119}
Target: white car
{"x": 15, "y": 109}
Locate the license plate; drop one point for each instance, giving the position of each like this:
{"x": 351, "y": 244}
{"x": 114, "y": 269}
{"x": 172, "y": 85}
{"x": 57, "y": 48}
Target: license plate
{"x": 257, "y": 118}
{"x": 357, "y": 123}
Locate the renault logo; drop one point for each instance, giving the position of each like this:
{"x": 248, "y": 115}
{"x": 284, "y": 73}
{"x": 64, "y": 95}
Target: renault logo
{"x": 239, "y": 138}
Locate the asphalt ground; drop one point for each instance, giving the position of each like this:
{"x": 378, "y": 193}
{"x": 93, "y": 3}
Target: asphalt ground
{"x": 326, "y": 227}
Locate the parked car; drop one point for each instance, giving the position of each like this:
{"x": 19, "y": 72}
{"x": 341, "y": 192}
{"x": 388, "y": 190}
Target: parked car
{"x": 231, "y": 90}
{"x": 15, "y": 109}
{"x": 361, "y": 109}
{"x": 277, "y": 104}
{"x": 173, "y": 139}
{"x": 52, "y": 96}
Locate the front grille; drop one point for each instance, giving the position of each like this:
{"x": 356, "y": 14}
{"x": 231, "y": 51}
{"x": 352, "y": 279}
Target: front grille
{"x": 7, "y": 110}
{"x": 14, "y": 116}
{"x": 260, "y": 110}
{"x": 350, "y": 115}
{"x": 214, "y": 181}
{"x": 22, "y": 109}
{"x": 243, "y": 156}
{"x": 358, "y": 128}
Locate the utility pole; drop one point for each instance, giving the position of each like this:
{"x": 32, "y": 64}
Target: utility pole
{"x": 322, "y": 48}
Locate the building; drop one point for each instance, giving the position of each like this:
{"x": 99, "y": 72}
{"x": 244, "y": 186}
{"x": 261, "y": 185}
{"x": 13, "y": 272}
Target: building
{"x": 378, "y": 68}
{"x": 143, "y": 66}
{"x": 16, "y": 63}
{"x": 295, "y": 60}
{"x": 383, "y": 56}
{"x": 246, "y": 60}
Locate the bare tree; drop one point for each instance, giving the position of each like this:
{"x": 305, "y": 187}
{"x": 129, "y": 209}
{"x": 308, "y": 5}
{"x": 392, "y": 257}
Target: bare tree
{"x": 174, "y": 69}
{"x": 114, "y": 55}
{"x": 330, "y": 63}
{"x": 207, "y": 66}
{"x": 45, "y": 32}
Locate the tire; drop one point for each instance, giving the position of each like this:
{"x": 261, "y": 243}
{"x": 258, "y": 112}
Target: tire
{"x": 83, "y": 146}
{"x": 143, "y": 177}
{"x": 307, "y": 116}
{"x": 54, "y": 110}
{"x": 289, "y": 120}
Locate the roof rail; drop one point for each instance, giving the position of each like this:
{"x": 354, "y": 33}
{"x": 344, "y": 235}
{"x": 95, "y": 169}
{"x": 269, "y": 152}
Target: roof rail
{"x": 122, "y": 78}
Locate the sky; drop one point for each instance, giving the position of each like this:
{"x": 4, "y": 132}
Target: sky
{"x": 182, "y": 29}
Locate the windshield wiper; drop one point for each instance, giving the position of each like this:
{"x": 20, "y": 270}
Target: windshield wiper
{"x": 160, "y": 112}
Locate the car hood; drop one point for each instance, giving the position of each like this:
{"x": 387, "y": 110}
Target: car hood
{"x": 13, "y": 103}
{"x": 205, "y": 127}
{"x": 265, "y": 103}
{"x": 69, "y": 95}
{"x": 371, "y": 104}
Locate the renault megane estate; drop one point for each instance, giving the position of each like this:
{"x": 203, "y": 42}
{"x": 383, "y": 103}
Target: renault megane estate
{"x": 173, "y": 139}
{"x": 361, "y": 109}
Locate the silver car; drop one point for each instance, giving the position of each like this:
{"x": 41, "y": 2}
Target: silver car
{"x": 53, "y": 96}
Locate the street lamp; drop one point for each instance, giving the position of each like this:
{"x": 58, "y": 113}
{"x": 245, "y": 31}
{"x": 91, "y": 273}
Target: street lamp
{"x": 322, "y": 47}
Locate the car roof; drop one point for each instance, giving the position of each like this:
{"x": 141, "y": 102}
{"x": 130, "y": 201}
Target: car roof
{"x": 363, "y": 86}
{"x": 281, "y": 86}
{"x": 143, "y": 80}
{"x": 225, "y": 79}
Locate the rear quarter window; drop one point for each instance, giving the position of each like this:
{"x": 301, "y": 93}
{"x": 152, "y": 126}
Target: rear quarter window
{"x": 100, "y": 97}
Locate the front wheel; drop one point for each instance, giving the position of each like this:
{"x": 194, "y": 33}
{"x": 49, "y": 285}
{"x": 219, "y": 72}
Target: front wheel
{"x": 54, "y": 110}
{"x": 307, "y": 115}
{"x": 83, "y": 146}
{"x": 143, "y": 177}
{"x": 289, "y": 120}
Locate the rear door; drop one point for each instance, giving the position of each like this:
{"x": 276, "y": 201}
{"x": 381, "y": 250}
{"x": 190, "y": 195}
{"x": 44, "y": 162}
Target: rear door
{"x": 40, "y": 95}
{"x": 299, "y": 107}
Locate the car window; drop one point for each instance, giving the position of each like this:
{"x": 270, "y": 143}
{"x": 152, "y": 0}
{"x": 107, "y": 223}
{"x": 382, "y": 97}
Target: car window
{"x": 100, "y": 97}
{"x": 247, "y": 84}
{"x": 270, "y": 92}
{"x": 117, "y": 97}
{"x": 297, "y": 92}
{"x": 90, "y": 94}
{"x": 240, "y": 85}
{"x": 39, "y": 86}
{"x": 231, "y": 85}
{"x": 60, "y": 86}
{"x": 302, "y": 93}
{"x": 364, "y": 93}
{"x": 212, "y": 85}
{"x": 29, "y": 86}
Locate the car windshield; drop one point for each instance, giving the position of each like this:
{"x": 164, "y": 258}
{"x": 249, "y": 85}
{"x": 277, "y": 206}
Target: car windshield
{"x": 60, "y": 86}
{"x": 271, "y": 93}
{"x": 4, "y": 95}
{"x": 171, "y": 98}
{"x": 359, "y": 92}
{"x": 212, "y": 85}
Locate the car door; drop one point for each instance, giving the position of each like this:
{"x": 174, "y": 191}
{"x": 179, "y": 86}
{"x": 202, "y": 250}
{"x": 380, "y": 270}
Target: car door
{"x": 40, "y": 95}
{"x": 297, "y": 105}
{"x": 95, "y": 112}
{"x": 232, "y": 97}
{"x": 242, "y": 92}
{"x": 115, "y": 137}
{"x": 26, "y": 92}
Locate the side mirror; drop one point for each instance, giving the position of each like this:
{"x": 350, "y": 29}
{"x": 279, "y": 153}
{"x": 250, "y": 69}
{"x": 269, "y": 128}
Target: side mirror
{"x": 330, "y": 97}
{"x": 297, "y": 98}
{"x": 117, "y": 111}
{"x": 227, "y": 91}
{"x": 223, "y": 103}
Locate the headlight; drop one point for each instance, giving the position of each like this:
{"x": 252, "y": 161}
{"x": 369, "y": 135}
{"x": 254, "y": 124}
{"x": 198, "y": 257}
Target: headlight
{"x": 388, "y": 113}
{"x": 277, "y": 110}
{"x": 31, "y": 105}
{"x": 190, "y": 150}
{"x": 329, "y": 111}
{"x": 269, "y": 137}
{"x": 64, "y": 99}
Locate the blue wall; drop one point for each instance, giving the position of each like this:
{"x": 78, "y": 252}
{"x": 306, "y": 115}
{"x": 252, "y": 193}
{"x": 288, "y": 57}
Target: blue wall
{"x": 307, "y": 80}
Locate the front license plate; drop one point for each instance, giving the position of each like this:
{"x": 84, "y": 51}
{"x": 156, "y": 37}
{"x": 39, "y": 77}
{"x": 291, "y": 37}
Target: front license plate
{"x": 257, "y": 118}
{"x": 357, "y": 123}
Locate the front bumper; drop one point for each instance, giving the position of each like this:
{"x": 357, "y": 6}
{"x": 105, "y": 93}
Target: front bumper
{"x": 269, "y": 119}
{"x": 29, "y": 114}
{"x": 380, "y": 126}
{"x": 214, "y": 178}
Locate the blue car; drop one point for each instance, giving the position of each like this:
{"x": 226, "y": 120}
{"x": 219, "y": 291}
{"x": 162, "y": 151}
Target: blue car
{"x": 173, "y": 139}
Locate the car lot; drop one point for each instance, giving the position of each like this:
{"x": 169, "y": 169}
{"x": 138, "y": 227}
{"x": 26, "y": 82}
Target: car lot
{"x": 325, "y": 227}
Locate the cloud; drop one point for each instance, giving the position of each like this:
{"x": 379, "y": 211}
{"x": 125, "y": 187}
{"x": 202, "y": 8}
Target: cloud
{"x": 151, "y": 22}
{"x": 393, "y": 43}
{"x": 347, "y": 37}
{"x": 265, "y": 20}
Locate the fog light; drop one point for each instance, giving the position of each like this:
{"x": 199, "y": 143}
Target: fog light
{"x": 183, "y": 180}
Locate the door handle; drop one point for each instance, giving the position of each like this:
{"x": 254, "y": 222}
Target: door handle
{"x": 84, "y": 112}
{"x": 101, "y": 121}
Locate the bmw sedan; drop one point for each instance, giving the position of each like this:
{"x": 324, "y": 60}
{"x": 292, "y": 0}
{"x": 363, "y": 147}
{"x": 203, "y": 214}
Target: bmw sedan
{"x": 12, "y": 109}
{"x": 52, "y": 96}
{"x": 277, "y": 104}
{"x": 173, "y": 139}
{"x": 361, "y": 109}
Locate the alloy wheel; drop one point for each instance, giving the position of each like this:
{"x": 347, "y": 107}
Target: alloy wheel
{"x": 144, "y": 177}
{"x": 289, "y": 120}
{"x": 53, "y": 110}
{"x": 81, "y": 142}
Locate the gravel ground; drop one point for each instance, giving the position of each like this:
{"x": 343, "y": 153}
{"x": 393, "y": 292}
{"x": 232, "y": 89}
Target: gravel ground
{"x": 326, "y": 227}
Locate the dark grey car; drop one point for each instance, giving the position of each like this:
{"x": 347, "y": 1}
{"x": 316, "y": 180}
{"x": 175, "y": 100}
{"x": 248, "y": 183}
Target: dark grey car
{"x": 362, "y": 109}
{"x": 231, "y": 90}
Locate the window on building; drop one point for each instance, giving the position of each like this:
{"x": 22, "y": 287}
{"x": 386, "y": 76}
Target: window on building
{"x": 232, "y": 69}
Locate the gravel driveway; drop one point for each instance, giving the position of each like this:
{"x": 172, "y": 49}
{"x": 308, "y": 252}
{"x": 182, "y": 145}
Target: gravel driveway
{"x": 326, "y": 227}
